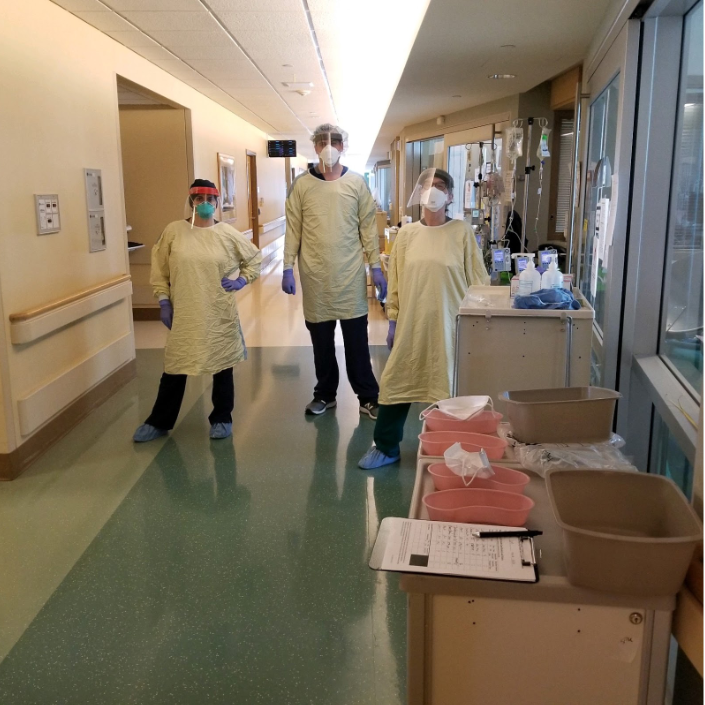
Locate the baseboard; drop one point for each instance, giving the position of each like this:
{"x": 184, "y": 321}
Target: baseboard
{"x": 146, "y": 313}
{"x": 13, "y": 464}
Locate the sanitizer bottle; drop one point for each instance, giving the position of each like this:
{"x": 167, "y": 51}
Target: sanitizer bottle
{"x": 529, "y": 280}
{"x": 552, "y": 278}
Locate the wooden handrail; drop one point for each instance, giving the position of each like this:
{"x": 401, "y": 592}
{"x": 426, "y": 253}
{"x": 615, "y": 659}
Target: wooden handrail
{"x": 46, "y": 308}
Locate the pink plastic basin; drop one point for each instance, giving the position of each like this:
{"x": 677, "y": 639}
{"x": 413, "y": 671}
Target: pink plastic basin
{"x": 435, "y": 443}
{"x": 505, "y": 479}
{"x": 484, "y": 422}
{"x": 468, "y": 506}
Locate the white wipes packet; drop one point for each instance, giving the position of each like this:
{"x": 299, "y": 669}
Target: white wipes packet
{"x": 460, "y": 408}
{"x": 468, "y": 465}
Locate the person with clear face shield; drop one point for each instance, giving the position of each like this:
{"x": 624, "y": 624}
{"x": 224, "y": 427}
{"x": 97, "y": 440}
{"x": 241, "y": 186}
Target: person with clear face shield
{"x": 330, "y": 227}
{"x": 192, "y": 264}
{"x": 432, "y": 264}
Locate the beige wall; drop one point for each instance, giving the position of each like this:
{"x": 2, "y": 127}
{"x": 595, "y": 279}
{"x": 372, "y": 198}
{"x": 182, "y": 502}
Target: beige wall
{"x": 59, "y": 116}
{"x": 156, "y": 180}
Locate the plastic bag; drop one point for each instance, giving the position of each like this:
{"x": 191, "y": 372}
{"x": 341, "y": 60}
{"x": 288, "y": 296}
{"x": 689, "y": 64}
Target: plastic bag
{"x": 468, "y": 465}
{"x": 601, "y": 456}
{"x": 515, "y": 142}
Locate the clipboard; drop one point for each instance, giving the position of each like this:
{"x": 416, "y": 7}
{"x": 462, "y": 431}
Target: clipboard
{"x": 445, "y": 548}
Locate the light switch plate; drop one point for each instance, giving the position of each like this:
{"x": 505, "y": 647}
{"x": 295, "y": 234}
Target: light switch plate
{"x": 47, "y": 209}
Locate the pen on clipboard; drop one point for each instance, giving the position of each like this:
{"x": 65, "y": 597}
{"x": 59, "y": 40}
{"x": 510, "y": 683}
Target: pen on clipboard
{"x": 505, "y": 534}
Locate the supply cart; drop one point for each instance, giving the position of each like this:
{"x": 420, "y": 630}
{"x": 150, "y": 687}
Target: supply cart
{"x": 486, "y": 642}
{"x": 498, "y": 347}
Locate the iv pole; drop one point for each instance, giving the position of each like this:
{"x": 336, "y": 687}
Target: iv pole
{"x": 527, "y": 173}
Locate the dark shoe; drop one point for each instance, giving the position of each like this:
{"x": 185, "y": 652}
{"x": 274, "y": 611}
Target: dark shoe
{"x": 317, "y": 407}
{"x": 370, "y": 409}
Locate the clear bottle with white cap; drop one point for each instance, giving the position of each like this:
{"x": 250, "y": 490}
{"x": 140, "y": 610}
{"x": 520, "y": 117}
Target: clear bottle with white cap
{"x": 529, "y": 280}
{"x": 552, "y": 278}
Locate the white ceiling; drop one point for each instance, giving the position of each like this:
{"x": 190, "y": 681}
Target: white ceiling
{"x": 236, "y": 52}
{"x": 460, "y": 44}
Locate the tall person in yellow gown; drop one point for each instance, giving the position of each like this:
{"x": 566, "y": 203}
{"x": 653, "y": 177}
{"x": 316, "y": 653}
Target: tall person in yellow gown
{"x": 191, "y": 267}
{"x": 432, "y": 264}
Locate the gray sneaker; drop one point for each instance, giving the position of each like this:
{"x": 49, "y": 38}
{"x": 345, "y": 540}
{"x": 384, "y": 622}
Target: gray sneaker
{"x": 317, "y": 407}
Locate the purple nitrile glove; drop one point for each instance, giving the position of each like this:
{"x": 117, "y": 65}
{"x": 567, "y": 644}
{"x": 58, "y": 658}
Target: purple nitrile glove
{"x": 233, "y": 284}
{"x": 390, "y": 334}
{"x": 288, "y": 283}
{"x": 380, "y": 282}
{"x": 166, "y": 313}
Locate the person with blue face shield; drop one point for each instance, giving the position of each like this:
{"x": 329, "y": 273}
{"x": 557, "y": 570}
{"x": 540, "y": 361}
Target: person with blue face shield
{"x": 432, "y": 264}
{"x": 330, "y": 227}
{"x": 192, "y": 264}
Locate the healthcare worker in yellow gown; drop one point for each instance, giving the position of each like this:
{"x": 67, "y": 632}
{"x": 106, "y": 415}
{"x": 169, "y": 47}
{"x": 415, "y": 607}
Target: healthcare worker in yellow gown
{"x": 432, "y": 264}
{"x": 191, "y": 267}
{"x": 330, "y": 226}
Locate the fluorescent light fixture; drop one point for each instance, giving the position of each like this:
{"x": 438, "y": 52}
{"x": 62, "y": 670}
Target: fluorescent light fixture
{"x": 363, "y": 81}
{"x": 502, "y": 75}
{"x": 297, "y": 84}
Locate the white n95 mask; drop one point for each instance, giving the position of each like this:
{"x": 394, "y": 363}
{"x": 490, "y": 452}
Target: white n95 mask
{"x": 460, "y": 408}
{"x": 468, "y": 465}
{"x": 434, "y": 199}
{"x": 330, "y": 155}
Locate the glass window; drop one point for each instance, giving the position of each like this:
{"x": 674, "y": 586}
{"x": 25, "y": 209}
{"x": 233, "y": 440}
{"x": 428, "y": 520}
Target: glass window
{"x": 682, "y": 313}
{"x": 668, "y": 459}
{"x": 420, "y": 155}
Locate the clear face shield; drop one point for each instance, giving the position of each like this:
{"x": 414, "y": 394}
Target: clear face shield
{"x": 330, "y": 143}
{"x": 201, "y": 204}
{"x": 431, "y": 192}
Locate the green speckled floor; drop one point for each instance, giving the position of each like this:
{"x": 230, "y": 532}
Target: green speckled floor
{"x": 233, "y": 571}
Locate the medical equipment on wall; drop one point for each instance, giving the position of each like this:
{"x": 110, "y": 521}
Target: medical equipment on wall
{"x": 521, "y": 261}
{"x": 501, "y": 260}
{"x": 514, "y": 137}
{"x": 546, "y": 257}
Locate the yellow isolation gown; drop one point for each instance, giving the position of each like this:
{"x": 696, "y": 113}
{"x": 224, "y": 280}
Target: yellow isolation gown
{"x": 187, "y": 266}
{"x": 329, "y": 224}
{"x": 430, "y": 270}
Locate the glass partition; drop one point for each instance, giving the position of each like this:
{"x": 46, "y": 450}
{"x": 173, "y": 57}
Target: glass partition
{"x": 681, "y": 342}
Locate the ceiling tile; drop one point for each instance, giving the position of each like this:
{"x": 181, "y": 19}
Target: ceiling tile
{"x": 133, "y": 39}
{"x": 265, "y": 21}
{"x": 154, "y": 53}
{"x": 192, "y": 39}
{"x": 81, "y": 5}
{"x": 282, "y": 39}
{"x": 173, "y": 21}
{"x": 155, "y": 5}
{"x": 224, "y": 53}
{"x": 105, "y": 21}
{"x": 219, "y": 6}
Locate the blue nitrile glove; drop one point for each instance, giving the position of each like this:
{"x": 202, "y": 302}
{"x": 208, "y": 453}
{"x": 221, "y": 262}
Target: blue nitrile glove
{"x": 390, "y": 334}
{"x": 380, "y": 282}
{"x": 166, "y": 312}
{"x": 233, "y": 284}
{"x": 288, "y": 283}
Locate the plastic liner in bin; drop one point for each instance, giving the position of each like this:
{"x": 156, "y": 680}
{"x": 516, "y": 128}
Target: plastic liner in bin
{"x": 561, "y": 415}
{"x": 628, "y": 533}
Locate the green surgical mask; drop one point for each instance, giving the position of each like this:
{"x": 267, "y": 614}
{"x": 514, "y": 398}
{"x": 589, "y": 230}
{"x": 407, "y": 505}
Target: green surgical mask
{"x": 205, "y": 210}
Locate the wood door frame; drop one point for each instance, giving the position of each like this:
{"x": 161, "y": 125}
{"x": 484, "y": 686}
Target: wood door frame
{"x": 252, "y": 195}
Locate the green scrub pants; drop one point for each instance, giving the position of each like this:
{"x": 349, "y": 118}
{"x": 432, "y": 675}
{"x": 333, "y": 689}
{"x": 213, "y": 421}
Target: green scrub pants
{"x": 389, "y": 429}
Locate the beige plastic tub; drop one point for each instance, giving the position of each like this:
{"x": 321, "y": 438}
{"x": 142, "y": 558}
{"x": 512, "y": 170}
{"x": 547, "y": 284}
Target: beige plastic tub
{"x": 624, "y": 532}
{"x": 561, "y": 415}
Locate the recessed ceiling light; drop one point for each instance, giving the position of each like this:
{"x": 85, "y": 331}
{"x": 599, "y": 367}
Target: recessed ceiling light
{"x": 502, "y": 75}
{"x": 456, "y": 96}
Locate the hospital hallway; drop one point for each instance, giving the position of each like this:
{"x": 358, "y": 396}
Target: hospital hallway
{"x": 187, "y": 570}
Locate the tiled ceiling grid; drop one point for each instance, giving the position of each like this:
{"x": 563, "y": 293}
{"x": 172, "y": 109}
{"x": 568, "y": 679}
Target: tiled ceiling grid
{"x": 230, "y": 50}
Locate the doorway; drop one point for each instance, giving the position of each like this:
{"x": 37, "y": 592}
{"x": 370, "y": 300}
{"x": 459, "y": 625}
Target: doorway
{"x": 253, "y": 196}
{"x": 157, "y": 169}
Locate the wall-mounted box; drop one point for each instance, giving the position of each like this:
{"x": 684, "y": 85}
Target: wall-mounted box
{"x": 48, "y": 217}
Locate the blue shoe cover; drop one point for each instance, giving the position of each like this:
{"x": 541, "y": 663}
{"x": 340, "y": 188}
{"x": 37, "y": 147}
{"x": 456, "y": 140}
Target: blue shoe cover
{"x": 148, "y": 433}
{"x": 375, "y": 458}
{"x": 221, "y": 430}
